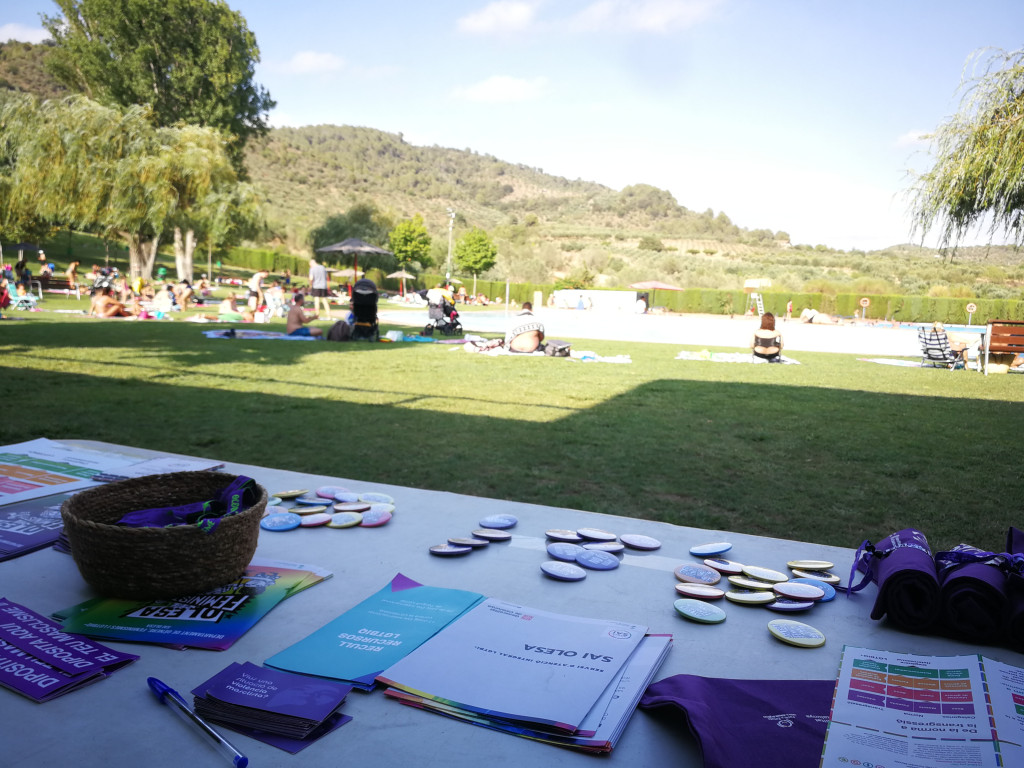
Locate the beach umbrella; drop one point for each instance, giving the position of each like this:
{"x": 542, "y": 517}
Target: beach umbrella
{"x": 652, "y": 286}
{"x": 354, "y": 247}
{"x": 20, "y": 248}
{"x": 402, "y": 274}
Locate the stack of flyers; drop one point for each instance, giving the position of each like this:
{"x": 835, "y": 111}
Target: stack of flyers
{"x": 42, "y": 662}
{"x": 561, "y": 679}
{"x": 214, "y": 619}
{"x": 30, "y": 525}
{"x": 278, "y": 708}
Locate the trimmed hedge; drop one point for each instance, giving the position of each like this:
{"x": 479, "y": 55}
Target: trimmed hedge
{"x": 907, "y": 309}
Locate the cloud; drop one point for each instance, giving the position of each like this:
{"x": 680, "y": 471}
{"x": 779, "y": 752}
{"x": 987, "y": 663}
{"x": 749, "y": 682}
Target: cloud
{"x": 22, "y": 33}
{"x": 645, "y": 15}
{"x": 499, "y": 17}
{"x": 502, "y": 89}
{"x": 913, "y": 139}
{"x": 312, "y": 62}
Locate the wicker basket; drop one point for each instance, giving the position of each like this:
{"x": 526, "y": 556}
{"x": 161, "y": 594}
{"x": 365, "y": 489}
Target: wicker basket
{"x": 153, "y": 563}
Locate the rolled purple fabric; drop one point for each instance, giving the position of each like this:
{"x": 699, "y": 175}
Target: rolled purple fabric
{"x": 781, "y": 722}
{"x": 1015, "y": 593}
{"x": 973, "y": 597}
{"x": 908, "y": 587}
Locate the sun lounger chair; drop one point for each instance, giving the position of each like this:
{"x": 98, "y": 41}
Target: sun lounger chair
{"x": 935, "y": 350}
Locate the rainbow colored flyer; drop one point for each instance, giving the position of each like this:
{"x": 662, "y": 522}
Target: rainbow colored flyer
{"x": 214, "y": 619}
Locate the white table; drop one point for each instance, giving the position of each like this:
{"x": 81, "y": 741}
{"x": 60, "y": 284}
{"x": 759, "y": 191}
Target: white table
{"x": 117, "y": 722}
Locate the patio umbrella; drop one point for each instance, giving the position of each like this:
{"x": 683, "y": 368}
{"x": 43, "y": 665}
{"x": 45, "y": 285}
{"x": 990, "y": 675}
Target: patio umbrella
{"x": 402, "y": 274}
{"x": 20, "y": 247}
{"x": 355, "y": 247}
{"x": 652, "y": 286}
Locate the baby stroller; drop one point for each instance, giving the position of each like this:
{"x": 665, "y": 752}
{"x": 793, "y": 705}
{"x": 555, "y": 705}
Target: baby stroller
{"x": 442, "y": 315}
{"x": 364, "y": 307}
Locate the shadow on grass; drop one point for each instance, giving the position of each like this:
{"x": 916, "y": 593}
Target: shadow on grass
{"x": 807, "y": 463}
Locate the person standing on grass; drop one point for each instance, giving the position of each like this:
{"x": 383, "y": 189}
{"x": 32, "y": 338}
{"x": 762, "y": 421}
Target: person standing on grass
{"x": 319, "y": 287}
{"x": 298, "y": 317}
{"x": 256, "y": 297}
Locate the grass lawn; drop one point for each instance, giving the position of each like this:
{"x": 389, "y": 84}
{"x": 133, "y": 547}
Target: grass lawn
{"x": 833, "y": 451}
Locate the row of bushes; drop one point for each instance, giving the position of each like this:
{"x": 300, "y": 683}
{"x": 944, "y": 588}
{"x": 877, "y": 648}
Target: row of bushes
{"x": 690, "y": 300}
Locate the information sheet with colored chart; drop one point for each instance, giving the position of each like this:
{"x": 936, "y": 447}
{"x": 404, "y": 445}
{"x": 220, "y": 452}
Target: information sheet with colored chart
{"x": 897, "y": 709}
{"x": 44, "y": 467}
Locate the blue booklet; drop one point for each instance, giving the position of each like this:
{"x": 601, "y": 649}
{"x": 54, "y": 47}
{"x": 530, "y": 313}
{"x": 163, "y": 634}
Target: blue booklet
{"x": 370, "y": 637}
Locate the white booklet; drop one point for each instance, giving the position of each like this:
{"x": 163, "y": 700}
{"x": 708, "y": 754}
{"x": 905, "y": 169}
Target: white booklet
{"x": 901, "y": 709}
{"x": 505, "y": 661}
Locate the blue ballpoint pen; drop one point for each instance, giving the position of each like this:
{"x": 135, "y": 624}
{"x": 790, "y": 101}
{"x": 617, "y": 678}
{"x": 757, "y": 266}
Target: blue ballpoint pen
{"x": 173, "y": 699}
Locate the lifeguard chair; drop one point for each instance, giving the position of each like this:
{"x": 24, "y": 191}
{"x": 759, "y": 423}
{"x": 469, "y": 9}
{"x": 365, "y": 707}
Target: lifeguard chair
{"x": 753, "y": 288}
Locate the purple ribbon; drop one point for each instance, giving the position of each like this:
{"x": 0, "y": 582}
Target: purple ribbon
{"x": 240, "y": 494}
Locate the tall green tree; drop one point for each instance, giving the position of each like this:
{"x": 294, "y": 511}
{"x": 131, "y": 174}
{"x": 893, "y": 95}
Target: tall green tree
{"x": 978, "y": 174}
{"x": 363, "y": 220}
{"x": 410, "y": 242}
{"x": 475, "y": 252}
{"x": 192, "y": 61}
{"x": 75, "y": 162}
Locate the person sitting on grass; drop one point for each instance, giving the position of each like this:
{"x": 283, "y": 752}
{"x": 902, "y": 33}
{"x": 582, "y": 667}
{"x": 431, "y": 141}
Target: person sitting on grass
{"x": 105, "y": 305}
{"x": 228, "y": 311}
{"x": 767, "y": 342}
{"x": 298, "y": 317}
{"x": 526, "y": 333}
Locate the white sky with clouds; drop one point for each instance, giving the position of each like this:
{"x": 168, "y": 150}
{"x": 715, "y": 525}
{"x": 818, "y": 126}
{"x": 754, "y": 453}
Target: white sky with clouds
{"x": 785, "y": 114}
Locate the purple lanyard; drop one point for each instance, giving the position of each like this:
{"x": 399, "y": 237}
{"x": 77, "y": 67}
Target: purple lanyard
{"x": 241, "y": 494}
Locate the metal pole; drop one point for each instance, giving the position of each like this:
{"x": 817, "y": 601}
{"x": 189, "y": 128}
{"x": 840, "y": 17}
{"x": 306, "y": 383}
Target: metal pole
{"x": 451, "y": 226}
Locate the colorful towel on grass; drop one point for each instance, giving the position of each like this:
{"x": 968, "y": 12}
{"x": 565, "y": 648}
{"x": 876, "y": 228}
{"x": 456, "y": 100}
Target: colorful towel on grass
{"x": 245, "y": 333}
{"x": 729, "y": 357}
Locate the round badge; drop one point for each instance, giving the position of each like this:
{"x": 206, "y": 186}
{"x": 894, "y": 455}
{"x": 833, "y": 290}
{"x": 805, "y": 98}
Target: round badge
{"x": 597, "y": 560}
{"x": 744, "y": 583}
{"x": 374, "y": 498}
{"x": 501, "y": 522}
{"x": 700, "y": 591}
{"x": 310, "y": 500}
{"x": 749, "y": 596}
{"x": 728, "y": 567}
{"x": 309, "y": 509}
{"x": 346, "y": 497}
{"x": 372, "y": 519}
{"x": 695, "y": 573}
{"x": 764, "y": 574}
{"x": 810, "y": 565}
{"x": 799, "y": 591}
{"x": 830, "y": 591}
{"x": 556, "y": 569}
{"x": 315, "y": 520}
{"x": 563, "y": 550}
{"x": 560, "y": 534}
{"x": 710, "y": 550}
{"x": 825, "y": 576}
{"x": 330, "y": 491}
{"x": 351, "y": 506}
{"x": 273, "y": 501}
{"x": 280, "y": 521}
{"x": 785, "y": 605}
{"x": 345, "y": 520}
{"x": 449, "y": 550}
{"x": 492, "y": 534}
{"x": 291, "y": 494}
{"x": 699, "y": 611}
{"x": 612, "y": 547}
{"x": 596, "y": 534}
{"x": 467, "y": 542}
{"x": 639, "y": 541}
{"x": 796, "y": 633}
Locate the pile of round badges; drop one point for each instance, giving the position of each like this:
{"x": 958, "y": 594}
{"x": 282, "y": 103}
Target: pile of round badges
{"x": 716, "y": 577}
{"x": 330, "y": 506}
{"x": 591, "y": 548}
{"x": 493, "y": 528}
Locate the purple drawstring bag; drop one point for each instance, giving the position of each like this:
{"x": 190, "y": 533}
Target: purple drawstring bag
{"x": 908, "y": 585}
{"x": 973, "y": 594}
{"x": 781, "y": 722}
